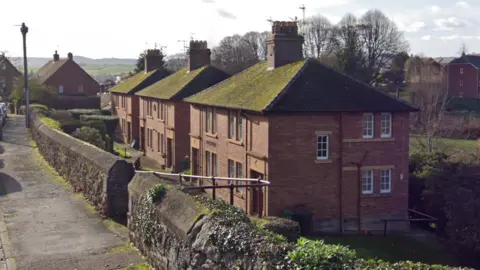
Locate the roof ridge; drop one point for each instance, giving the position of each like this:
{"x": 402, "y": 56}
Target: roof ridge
{"x": 370, "y": 87}
{"x": 287, "y": 86}
{"x": 204, "y": 68}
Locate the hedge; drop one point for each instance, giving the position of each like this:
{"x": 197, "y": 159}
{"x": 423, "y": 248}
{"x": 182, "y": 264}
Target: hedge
{"x": 77, "y": 113}
{"x": 110, "y": 122}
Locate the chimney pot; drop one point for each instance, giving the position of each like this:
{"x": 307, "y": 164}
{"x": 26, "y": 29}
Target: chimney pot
{"x": 198, "y": 55}
{"x": 284, "y": 45}
{"x": 70, "y": 56}
{"x": 56, "y": 57}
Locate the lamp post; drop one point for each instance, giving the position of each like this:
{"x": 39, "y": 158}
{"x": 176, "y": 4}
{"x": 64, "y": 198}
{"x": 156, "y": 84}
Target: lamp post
{"x": 24, "y": 30}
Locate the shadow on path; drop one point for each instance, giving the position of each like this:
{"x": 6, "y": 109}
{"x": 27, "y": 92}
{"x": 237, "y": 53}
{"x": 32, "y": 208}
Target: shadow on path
{"x": 8, "y": 184}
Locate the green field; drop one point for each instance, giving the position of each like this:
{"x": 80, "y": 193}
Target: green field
{"x": 102, "y": 70}
{"x": 449, "y": 146}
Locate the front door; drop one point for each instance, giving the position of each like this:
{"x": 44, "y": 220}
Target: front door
{"x": 142, "y": 139}
{"x": 257, "y": 195}
{"x": 129, "y": 132}
{"x": 195, "y": 163}
{"x": 169, "y": 152}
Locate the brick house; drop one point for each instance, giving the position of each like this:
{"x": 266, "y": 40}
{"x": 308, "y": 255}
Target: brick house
{"x": 164, "y": 117}
{"x": 75, "y": 87}
{"x": 125, "y": 103}
{"x": 462, "y": 76}
{"x": 307, "y": 129}
{"x": 8, "y": 73}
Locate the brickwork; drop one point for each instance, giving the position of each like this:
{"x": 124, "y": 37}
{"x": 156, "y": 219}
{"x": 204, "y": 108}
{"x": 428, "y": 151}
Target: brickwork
{"x": 75, "y": 80}
{"x": 463, "y": 84}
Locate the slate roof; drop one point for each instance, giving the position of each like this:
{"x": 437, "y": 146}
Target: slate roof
{"x": 50, "y": 68}
{"x": 139, "y": 81}
{"x": 303, "y": 86}
{"x": 471, "y": 59}
{"x": 183, "y": 84}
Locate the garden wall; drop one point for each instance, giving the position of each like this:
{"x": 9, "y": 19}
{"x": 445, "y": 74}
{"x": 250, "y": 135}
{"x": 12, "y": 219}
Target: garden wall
{"x": 99, "y": 176}
{"x": 178, "y": 232}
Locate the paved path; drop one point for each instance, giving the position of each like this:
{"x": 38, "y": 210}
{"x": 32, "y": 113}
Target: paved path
{"x": 44, "y": 225}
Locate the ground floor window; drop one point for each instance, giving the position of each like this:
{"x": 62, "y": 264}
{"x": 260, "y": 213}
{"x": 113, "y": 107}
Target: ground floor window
{"x": 367, "y": 182}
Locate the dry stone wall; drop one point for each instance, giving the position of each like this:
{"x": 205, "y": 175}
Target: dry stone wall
{"x": 100, "y": 176}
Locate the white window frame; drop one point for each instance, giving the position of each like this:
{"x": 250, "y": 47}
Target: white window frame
{"x": 461, "y": 70}
{"x": 461, "y": 82}
{"x": 371, "y": 128}
{"x": 208, "y": 120}
{"x": 239, "y": 130}
{"x": 60, "y": 89}
{"x": 239, "y": 174}
{"x": 385, "y": 178}
{"x": 214, "y": 164}
{"x": 231, "y": 125}
{"x": 367, "y": 175}
{"x": 231, "y": 168}
{"x": 214, "y": 120}
{"x": 383, "y": 126}
{"x": 208, "y": 163}
{"x": 320, "y": 146}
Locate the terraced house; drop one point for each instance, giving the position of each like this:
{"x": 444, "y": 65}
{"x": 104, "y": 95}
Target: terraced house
{"x": 125, "y": 103}
{"x": 8, "y": 75}
{"x": 164, "y": 117}
{"x": 331, "y": 146}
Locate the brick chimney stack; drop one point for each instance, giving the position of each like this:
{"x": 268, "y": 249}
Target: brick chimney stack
{"x": 284, "y": 45}
{"x": 56, "y": 57}
{"x": 153, "y": 60}
{"x": 70, "y": 56}
{"x": 198, "y": 55}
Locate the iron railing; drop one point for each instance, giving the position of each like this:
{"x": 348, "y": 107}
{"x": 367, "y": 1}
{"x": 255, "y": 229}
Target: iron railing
{"x": 257, "y": 184}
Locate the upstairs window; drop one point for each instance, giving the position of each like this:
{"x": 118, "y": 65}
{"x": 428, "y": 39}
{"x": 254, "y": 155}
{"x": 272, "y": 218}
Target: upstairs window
{"x": 461, "y": 71}
{"x": 322, "y": 147}
{"x": 208, "y": 122}
{"x": 60, "y": 89}
{"x": 367, "y": 182}
{"x": 386, "y": 125}
{"x": 231, "y": 125}
{"x": 239, "y": 127}
{"x": 214, "y": 120}
{"x": 368, "y": 125}
{"x": 80, "y": 88}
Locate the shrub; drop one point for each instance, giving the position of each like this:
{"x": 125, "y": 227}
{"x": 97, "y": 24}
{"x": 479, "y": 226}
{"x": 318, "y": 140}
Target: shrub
{"x": 98, "y": 125}
{"x": 50, "y": 122}
{"x": 89, "y": 135}
{"x": 68, "y": 123}
{"x": 312, "y": 255}
{"x": 156, "y": 193}
{"x": 76, "y": 113}
{"x": 40, "y": 107}
{"x": 106, "y": 112}
{"x": 110, "y": 122}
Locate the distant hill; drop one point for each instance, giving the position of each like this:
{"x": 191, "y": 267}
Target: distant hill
{"x": 81, "y": 60}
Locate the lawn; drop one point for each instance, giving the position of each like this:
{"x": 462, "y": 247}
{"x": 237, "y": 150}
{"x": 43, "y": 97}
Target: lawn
{"x": 122, "y": 152}
{"x": 393, "y": 248}
{"x": 449, "y": 146}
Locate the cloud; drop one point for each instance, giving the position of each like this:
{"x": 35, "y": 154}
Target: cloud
{"x": 208, "y": 1}
{"x": 414, "y": 27}
{"x": 450, "y": 23}
{"x": 462, "y": 4}
{"x": 435, "y": 9}
{"x": 225, "y": 14}
{"x": 360, "y": 12}
{"x": 426, "y": 37}
{"x": 453, "y": 37}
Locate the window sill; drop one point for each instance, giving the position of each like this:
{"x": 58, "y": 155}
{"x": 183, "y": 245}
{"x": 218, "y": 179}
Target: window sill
{"x": 232, "y": 141}
{"x": 377, "y": 195}
{"x": 211, "y": 135}
{"x": 161, "y": 120}
{"x": 369, "y": 140}
{"x": 323, "y": 161}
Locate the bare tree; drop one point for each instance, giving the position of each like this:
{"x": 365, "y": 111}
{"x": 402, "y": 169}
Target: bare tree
{"x": 236, "y": 53}
{"x": 176, "y": 61}
{"x": 426, "y": 81}
{"x": 318, "y": 33}
{"x": 381, "y": 41}
{"x": 463, "y": 49}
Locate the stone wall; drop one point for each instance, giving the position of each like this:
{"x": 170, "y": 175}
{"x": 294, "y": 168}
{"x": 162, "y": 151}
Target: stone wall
{"x": 100, "y": 176}
{"x": 181, "y": 231}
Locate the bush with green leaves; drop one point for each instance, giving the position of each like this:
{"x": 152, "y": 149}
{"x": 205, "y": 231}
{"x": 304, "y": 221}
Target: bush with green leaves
{"x": 76, "y": 113}
{"x": 110, "y": 123}
{"x": 156, "y": 193}
{"x": 312, "y": 255}
{"x": 89, "y": 135}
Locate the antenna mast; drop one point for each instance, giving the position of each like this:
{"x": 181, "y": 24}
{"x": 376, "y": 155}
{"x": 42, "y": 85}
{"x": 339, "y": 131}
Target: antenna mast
{"x": 303, "y": 12}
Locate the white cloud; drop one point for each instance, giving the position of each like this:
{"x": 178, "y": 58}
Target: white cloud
{"x": 453, "y": 37}
{"x": 426, "y": 37}
{"x": 462, "y": 4}
{"x": 414, "y": 27}
{"x": 449, "y": 23}
{"x": 435, "y": 9}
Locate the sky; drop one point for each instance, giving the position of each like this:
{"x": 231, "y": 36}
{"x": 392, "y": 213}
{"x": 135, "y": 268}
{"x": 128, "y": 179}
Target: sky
{"x": 120, "y": 29}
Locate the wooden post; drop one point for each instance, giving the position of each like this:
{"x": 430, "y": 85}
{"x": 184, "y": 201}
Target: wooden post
{"x": 232, "y": 186}
{"x": 213, "y": 189}
{"x": 180, "y": 178}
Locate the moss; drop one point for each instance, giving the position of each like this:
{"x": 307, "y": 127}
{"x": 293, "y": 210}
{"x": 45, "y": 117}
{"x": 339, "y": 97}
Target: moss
{"x": 142, "y": 266}
{"x": 88, "y": 206}
{"x": 114, "y": 226}
{"x": 253, "y": 89}
{"x": 171, "y": 85}
{"x": 128, "y": 247}
{"x": 47, "y": 168}
{"x": 131, "y": 82}
{"x": 51, "y": 122}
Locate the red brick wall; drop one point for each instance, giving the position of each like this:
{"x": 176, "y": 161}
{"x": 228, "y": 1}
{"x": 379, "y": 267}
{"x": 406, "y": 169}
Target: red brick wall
{"x": 10, "y": 73}
{"x": 255, "y": 135}
{"x": 127, "y": 114}
{"x": 470, "y": 78}
{"x": 297, "y": 178}
{"x": 71, "y": 75}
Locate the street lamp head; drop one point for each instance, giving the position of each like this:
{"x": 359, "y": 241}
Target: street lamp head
{"x": 24, "y": 29}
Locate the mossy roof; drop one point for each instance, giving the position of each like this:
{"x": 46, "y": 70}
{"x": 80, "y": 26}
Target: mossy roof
{"x": 302, "y": 86}
{"x": 131, "y": 83}
{"x": 253, "y": 89}
{"x": 50, "y": 68}
{"x": 170, "y": 86}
